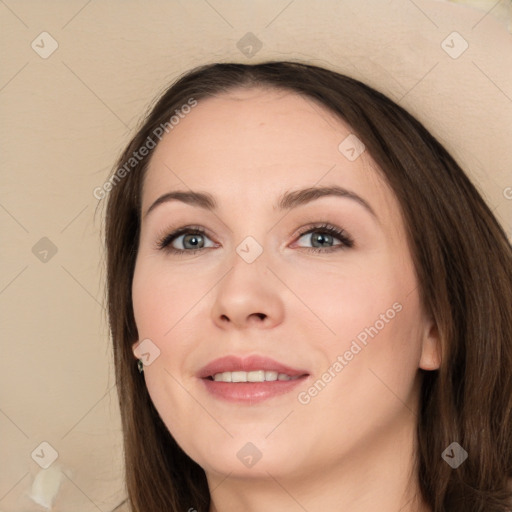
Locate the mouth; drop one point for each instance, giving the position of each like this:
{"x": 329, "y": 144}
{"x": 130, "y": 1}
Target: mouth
{"x": 249, "y": 380}
{"x": 252, "y": 376}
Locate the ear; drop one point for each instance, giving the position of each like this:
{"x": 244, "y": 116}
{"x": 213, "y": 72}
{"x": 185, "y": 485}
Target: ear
{"x": 431, "y": 348}
{"x": 135, "y": 349}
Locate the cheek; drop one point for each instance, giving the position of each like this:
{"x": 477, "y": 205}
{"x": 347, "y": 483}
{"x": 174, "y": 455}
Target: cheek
{"x": 370, "y": 315}
{"x": 374, "y": 358}
{"x": 162, "y": 297}
{"x": 162, "y": 304}
{"x": 368, "y": 384}
{"x": 349, "y": 296}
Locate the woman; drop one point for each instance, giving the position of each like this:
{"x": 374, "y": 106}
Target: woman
{"x": 318, "y": 298}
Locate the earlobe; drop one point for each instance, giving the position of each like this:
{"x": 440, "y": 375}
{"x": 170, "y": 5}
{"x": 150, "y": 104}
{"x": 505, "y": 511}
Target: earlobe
{"x": 431, "y": 349}
{"x": 137, "y": 355}
{"x": 134, "y": 349}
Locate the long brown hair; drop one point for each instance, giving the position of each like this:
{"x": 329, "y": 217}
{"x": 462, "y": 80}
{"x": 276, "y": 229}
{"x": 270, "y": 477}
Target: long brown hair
{"x": 464, "y": 267}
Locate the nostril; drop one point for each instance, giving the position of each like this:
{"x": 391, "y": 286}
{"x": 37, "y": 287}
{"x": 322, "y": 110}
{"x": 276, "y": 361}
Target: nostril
{"x": 261, "y": 316}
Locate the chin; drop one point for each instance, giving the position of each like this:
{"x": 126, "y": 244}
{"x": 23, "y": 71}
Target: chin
{"x": 247, "y": 459}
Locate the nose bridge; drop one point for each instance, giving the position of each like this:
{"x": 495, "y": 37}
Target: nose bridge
{"x": 249, "y": 292}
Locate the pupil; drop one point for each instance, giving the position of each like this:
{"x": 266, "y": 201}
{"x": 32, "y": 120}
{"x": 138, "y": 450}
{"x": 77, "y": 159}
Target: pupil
{"x": 192, "y": 239}
{"x": 321, "y": 238}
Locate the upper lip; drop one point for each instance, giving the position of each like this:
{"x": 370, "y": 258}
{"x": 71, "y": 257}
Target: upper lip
{"x": 246, "y": 364}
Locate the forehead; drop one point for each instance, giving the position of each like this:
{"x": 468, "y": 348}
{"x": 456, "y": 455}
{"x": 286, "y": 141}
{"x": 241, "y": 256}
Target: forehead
{"x": 252, "y": 144}
{"x": 261, "y": 128}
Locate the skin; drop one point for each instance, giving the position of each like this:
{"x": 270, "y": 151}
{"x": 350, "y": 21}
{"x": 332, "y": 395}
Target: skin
{"x": 352, "y": 446}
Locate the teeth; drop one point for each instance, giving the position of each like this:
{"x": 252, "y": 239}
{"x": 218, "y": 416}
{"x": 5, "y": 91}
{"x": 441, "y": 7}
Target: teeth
{"x": 223, "y": 377}
{"x": 254, "y": 376}
{"x": 270, "y": 376}
{"x": 238, "y": 377}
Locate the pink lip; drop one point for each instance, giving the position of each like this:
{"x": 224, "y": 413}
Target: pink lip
{"x": 249, "y": 392}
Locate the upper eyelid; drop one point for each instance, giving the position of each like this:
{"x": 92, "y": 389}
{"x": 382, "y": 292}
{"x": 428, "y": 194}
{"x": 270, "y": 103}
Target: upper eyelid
{"x": 174, "y": 234}
{"x": 338, "y": 232}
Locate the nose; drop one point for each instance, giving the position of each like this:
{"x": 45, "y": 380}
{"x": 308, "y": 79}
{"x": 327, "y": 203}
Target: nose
{"x": 249, "y": 295}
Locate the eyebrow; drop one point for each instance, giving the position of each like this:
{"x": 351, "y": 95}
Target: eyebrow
{"x": 287, "y": 201}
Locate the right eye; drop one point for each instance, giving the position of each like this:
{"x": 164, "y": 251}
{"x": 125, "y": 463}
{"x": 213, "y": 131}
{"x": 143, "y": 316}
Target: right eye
{"x": 187, "y": 239}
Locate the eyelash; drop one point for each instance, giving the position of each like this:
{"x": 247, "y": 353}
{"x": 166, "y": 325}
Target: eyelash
{"x": 164, "y": 241}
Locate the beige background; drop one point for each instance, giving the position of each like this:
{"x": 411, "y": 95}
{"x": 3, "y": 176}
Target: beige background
{"x": 66, "y": 117}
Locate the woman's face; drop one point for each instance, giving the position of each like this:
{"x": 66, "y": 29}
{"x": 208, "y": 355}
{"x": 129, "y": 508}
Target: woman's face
{"x": 270, "y": 285}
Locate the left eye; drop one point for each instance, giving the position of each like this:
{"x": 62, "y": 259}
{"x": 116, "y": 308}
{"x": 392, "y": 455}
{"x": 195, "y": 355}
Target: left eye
{"x": 320, "y": 239}
{"x": 324, "y": 237}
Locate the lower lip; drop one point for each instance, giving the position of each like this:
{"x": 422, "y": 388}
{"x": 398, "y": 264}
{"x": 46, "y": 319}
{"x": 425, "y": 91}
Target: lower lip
{"x": 251, "y": 392}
